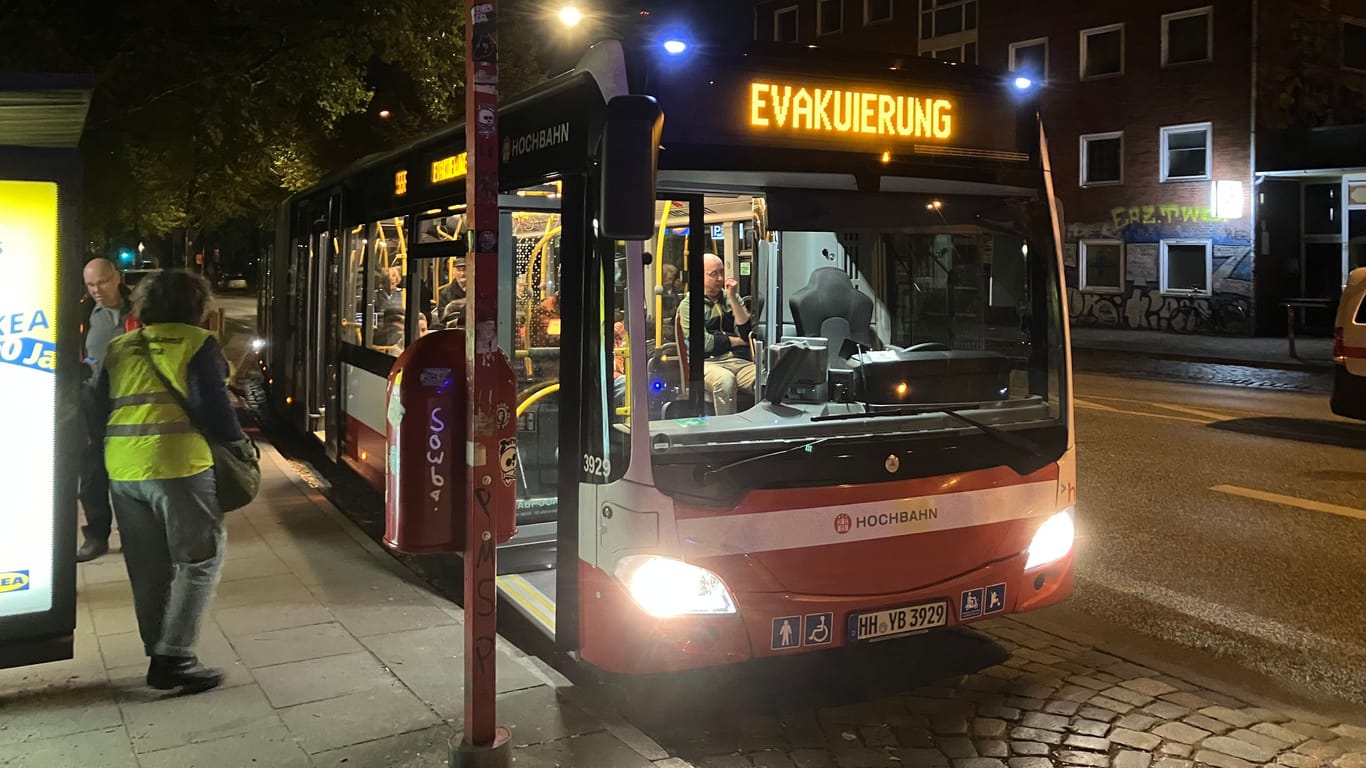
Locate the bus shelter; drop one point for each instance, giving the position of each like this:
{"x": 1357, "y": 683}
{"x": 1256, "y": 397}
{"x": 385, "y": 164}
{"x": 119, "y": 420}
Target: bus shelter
{"x": 41, "y": 434}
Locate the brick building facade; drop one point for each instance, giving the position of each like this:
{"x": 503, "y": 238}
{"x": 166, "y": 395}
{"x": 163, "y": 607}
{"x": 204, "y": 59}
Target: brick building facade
{"x": 1204, "y": 151}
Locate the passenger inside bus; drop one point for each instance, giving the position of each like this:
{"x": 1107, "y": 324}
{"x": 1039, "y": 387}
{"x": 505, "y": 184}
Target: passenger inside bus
{"x": 545, "y": 322}
{"x": 728, "y": 368}
{"x": 455, "y": 289}
{"x": 390, "y": 295}
{"x": 390, "y": 331}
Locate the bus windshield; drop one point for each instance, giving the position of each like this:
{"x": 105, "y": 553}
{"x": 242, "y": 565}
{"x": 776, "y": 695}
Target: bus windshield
{"x": 834, "y": 320}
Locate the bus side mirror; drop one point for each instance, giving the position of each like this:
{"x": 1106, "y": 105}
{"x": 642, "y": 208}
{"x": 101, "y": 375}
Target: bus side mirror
{"x": 630, "y": 160}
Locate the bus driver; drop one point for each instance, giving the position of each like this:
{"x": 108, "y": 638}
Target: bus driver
{"x": 727, "y": 368}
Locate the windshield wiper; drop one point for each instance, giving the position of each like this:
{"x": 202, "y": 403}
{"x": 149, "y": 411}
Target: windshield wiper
{"x": 1002, "y": 436}
{"x": 1022, "y": 444}
{"x": 806, "y": 446}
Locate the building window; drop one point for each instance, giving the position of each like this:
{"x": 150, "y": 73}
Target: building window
{"x": 1186, "y": 267}
{"x": 785, "y": 25}
{"x": 1102, "y": 159}
{"x": 1102, "y": 51}
{"x": 1188, "y": 37}
{"x": 1322, "y": 209}
{"x": 1101, "y": 265}
{"x": 829, "y": 16}
{"x": 1030, "y": 58}
{"x": 1186, "y": 152}
{"x": 876, "y": 11}
{"x": 963, "y": 54}
{"x": 1354, "y": 45}
{"x": 946, "y": 17}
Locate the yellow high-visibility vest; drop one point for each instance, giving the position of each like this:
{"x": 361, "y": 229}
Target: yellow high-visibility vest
{"x": 149, "y": 436}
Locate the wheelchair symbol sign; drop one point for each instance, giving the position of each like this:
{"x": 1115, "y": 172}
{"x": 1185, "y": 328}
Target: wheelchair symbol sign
{"x": 817, "y": 628}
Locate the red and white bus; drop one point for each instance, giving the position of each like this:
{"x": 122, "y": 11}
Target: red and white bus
{"x": 905, "y": 460}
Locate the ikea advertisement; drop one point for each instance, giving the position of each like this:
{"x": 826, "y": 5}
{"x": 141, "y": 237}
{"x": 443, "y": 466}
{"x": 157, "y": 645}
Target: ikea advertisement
{"x": 28, "y": 347}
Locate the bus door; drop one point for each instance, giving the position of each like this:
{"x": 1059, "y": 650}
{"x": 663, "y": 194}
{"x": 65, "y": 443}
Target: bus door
{"x": 531, "y": 327}
{"x": 321, "y": 326}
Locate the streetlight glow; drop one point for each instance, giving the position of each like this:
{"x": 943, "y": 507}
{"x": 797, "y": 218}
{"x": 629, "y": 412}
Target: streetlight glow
{"x": 570, "y": 16}
{"x": 675, "y": 46}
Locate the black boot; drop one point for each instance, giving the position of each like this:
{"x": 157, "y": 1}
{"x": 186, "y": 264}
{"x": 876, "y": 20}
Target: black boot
{"x": 91, "y": 549}
{"x": 184, "y": 672}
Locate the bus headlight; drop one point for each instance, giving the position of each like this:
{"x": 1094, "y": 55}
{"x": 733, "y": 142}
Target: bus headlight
{"x": 665, "y": 587}
{"x": 1052, "y": 541}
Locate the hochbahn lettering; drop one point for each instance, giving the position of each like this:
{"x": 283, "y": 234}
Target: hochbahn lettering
{"x": 535, "y": 141}
{"x": 899, "y": 517}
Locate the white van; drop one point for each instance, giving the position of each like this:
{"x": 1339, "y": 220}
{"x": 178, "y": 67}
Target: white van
{"x": 1349, "y": 349}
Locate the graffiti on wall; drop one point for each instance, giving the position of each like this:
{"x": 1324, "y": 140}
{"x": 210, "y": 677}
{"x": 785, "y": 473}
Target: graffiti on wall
{"x": 1140, "y": 303}
{"x": 1168, "y": 213}
{"x": 1149, "y": 309}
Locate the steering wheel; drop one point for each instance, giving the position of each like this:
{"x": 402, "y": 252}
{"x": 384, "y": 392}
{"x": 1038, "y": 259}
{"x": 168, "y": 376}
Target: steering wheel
{"x": 929, "y": 346}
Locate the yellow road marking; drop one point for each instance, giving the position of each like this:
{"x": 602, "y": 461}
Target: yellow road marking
{"x": 536, "y": 594}
{"x": 527, "y": 603}
{"x": 1196, "y": 412}
{"x": 1089, "y": 404}
{"x": 528, "y": 597}
{"x": 1292, "y": 501}
{"x": 1221, "y": 415}
{"x": 1108, "y": 409}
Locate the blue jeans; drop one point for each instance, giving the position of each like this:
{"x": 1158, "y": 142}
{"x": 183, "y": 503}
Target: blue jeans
{"x": 173, "y": 545}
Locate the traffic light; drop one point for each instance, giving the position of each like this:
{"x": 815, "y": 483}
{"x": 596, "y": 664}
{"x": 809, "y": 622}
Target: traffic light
{"x": 125, "y": 256}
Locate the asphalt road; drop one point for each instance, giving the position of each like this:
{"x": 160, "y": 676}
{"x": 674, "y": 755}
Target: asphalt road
{"x": 1226, "y": 519}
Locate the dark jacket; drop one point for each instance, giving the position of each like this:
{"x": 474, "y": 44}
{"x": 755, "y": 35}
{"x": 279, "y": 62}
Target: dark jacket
{"x": 720, "y": 326}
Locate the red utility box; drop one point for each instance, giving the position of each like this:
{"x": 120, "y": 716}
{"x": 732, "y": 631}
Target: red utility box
{"x": 426, "y": 430}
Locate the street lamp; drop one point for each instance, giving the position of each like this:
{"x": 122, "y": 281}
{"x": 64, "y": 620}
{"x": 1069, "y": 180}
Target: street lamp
{"x": 570, "y": 16}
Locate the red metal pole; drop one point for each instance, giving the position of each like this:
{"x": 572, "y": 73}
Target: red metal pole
{"x": 483, "y": 742}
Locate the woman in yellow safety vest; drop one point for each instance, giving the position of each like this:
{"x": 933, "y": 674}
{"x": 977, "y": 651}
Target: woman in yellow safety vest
{"x": 161, "y": 469}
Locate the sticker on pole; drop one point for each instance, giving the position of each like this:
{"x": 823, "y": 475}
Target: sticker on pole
{"x": 507, "y": 459}
{"x": 434, "y": 377}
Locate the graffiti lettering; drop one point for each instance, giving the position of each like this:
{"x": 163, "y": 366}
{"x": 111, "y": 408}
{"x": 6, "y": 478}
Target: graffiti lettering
{"x": 483, "y": 653}
{"x": 1145, "y": 308}
{"x": 1167, "y": 213}
{"x": 484, "y": 591}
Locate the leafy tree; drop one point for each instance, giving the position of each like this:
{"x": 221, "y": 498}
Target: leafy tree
{"x": 208, "y": 113}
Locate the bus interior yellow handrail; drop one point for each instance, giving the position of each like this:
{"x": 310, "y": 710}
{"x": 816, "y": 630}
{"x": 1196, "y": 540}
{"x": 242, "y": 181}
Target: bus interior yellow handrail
{"x": 536, "y": 396}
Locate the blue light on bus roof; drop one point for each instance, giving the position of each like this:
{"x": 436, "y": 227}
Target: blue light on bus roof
{"x": 675, "y": 47}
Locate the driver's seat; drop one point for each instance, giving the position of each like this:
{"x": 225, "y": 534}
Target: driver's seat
{"x": 830, "y": 306}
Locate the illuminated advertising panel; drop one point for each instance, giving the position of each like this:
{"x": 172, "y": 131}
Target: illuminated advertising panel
{"x": 28, "y": 344}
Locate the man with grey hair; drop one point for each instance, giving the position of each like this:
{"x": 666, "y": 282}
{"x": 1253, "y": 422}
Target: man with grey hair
{"x": 106, "y": 307}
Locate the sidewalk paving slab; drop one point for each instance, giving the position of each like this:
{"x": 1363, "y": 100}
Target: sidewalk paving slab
{"x": 335, "y": 655}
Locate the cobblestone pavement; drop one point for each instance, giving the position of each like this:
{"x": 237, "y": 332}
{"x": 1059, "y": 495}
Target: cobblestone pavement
{"x": 1135, "y": 366}
{"x": 1047, "y": 702}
